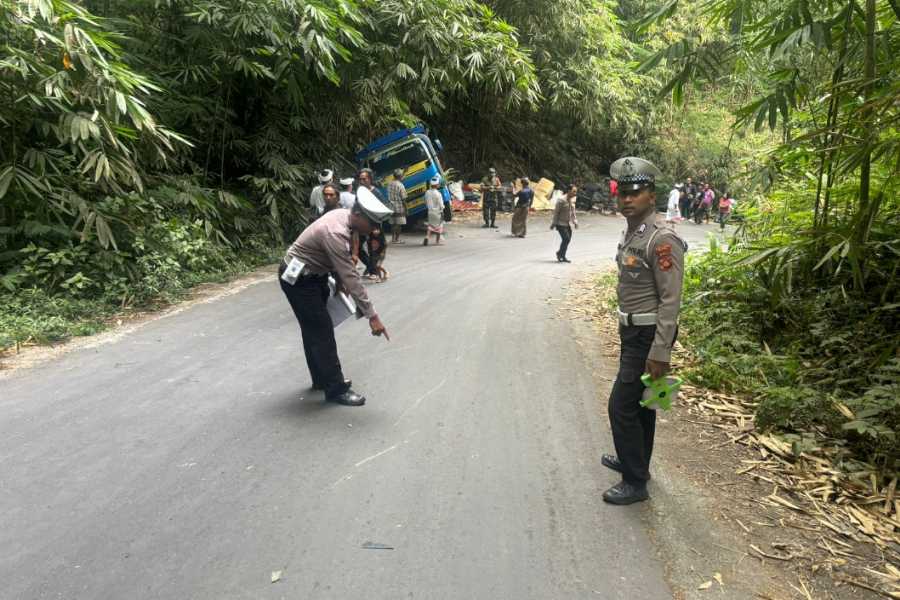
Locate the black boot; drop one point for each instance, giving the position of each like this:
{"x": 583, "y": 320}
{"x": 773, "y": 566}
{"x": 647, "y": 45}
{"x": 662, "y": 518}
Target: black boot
{"x": 611, "y": 462}
{"x": 625, "y": 493}
{"x": 348, "y": 398}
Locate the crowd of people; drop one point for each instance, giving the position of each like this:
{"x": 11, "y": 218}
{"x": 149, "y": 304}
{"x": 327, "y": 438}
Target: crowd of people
{"x": 698, "y": 203}
{"x": 371, "y": 249}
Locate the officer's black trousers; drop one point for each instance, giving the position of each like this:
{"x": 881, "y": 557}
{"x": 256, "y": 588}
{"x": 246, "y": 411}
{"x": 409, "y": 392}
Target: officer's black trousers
{"x": 489, "y": 212}
{"x": 566, "y": 234}
{"x": 632, "y": 425}
{"x": 307, "y": 298}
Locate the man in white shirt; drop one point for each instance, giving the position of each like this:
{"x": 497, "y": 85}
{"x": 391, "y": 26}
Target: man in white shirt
{"x": 316, "y": 199}
{"x": 348, "y": 198}
{"x": 673, "y": 210}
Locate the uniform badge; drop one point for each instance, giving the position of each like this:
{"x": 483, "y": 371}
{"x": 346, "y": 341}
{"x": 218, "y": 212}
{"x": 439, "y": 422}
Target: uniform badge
{"x": 642, "y": 228}
{"x": 631, "y": 261}
{"x": 664, "y": 257}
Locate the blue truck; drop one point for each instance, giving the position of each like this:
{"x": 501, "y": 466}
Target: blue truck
{"x": 413, "y": 151}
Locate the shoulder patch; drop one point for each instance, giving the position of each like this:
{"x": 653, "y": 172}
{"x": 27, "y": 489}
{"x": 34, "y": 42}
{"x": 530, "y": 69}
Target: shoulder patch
{"x": 667, "y": 236}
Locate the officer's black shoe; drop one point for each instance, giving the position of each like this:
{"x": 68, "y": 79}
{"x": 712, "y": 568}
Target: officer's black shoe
{"x": 348, "y": 398}
{"x": 564, "y": 259}
{"x": 624, "y": 493}
{"x": 611, "y": 462}
{"x": 318, "y": 387}
{"x": 558, "y": 257}
{"x": 485, "y": 226}
{"x": 494, "y": 226}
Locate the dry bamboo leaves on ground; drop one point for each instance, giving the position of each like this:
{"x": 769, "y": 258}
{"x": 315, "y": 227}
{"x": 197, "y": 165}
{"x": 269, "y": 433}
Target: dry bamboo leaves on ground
{"x": 825, "y": 493}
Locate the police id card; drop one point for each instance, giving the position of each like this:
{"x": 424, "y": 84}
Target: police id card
{"x": 293, "y": 271}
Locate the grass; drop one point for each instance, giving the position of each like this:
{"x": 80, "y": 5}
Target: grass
{"x": 30, "y": 316}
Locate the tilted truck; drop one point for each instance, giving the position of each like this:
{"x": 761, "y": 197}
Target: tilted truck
{"x": 414, "y": 152}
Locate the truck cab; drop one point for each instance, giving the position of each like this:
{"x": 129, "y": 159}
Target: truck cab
{"x": 414, "y": 152}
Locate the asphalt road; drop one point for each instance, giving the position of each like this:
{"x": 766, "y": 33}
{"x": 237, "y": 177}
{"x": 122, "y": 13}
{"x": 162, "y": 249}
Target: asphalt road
{"x": 189, "y": 459}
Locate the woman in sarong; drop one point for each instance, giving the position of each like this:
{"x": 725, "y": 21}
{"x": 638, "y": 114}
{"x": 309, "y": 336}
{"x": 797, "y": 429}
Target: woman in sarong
{"x": 524, "y": 198}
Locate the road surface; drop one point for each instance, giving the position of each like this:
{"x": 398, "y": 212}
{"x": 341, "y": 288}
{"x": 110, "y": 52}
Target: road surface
{"x": 189, "y": 459}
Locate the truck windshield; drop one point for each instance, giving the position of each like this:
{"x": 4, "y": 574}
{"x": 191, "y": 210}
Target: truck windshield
{"x": 400, "y": 156}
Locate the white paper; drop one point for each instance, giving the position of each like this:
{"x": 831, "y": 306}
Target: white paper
{"x": 340, "y": 306}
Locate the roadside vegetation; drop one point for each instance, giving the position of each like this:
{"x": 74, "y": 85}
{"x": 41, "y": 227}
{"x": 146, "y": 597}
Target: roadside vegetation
{"x": 801, "y": 306}
{"x": 149, "y": 145}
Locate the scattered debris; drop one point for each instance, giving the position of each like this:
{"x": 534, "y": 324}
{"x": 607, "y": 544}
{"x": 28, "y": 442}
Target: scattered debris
{"x": 276, "y": 576}
{"x": 375, "y": 546}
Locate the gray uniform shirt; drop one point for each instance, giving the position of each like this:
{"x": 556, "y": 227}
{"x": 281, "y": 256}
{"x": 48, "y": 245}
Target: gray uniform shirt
{"x": 651, "y": 271}
{"x": 564, "y": 213}
{"x": 324, "y": 247}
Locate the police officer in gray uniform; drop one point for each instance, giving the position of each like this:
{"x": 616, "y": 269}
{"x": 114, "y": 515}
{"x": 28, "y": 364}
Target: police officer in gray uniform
{"x": 650, "y": 261}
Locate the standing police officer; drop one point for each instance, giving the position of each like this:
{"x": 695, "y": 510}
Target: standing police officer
{"x": 490, "y": 193}
{"x": 650, "y": 261}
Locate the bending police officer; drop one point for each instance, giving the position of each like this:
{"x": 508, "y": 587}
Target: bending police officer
{"x": 650, "y": 261}
{"x": 324, "y": 248}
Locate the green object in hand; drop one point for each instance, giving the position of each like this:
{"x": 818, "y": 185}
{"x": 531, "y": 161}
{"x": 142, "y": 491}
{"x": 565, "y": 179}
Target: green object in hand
{"x": 660, "y": 393}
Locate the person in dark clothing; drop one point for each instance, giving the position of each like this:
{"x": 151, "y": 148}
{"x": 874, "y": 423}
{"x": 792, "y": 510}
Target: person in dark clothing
{"x": 564, "y": 220}
{"x": 366, "y": 179}
{"x": 376, "y": 248}
{"x": 690, "y": 194}
{"x": 524, "y": 198}
{"x": 332, "y": 197}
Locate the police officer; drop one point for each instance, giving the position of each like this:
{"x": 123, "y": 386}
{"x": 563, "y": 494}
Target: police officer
{"x": 490, "y": 190}
{"x": 650, "y": 262}
{"x": 324, "y": 248}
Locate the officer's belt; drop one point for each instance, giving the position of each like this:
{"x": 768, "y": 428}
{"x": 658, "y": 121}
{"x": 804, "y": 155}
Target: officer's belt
{"x": 639, "y": 319}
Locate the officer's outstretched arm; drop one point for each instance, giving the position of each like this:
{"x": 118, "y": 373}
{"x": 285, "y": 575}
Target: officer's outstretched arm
{"x": 668, "y": 270}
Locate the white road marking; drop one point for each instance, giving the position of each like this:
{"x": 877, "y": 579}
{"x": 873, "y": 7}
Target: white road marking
{"x": 419, "y": 401}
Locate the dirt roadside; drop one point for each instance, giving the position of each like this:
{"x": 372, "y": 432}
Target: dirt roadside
{"x": 711, "y": 516}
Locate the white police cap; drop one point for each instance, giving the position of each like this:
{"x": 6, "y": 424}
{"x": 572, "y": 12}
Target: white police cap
{"x": 347, "y": 181}
{"x": 436, "y": 180}
{"x": 326, "y": 175}
{"x": 370, "y": 206}
{"x": 633, "y": 173}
